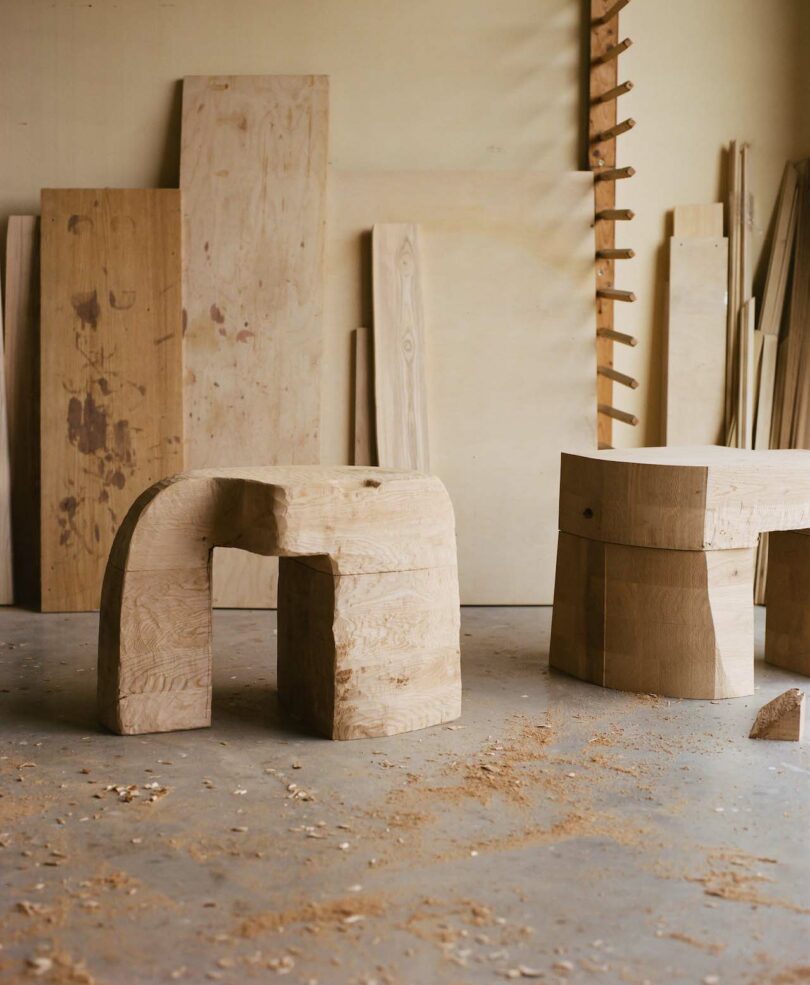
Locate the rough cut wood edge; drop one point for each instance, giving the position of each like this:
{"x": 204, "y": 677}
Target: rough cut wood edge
{"x": 362, "y": 403}
{"x": 400, "y": 389}
{"x": 369, "y": 603}
{"x": 22, "y": 394}
{"x": 6, "y": 568}
{"x": 782, "y": 718}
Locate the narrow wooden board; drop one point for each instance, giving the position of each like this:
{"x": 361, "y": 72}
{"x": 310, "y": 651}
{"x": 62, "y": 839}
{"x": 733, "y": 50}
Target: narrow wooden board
{"x": 400, "y": 387}
{"x": 509, "y": 309}
{"x": 765, "y": 391}
{"x": 22, "y": 395}
{"x": 691, "y": 221}
{"x": 747, "y": 371}
{"x": 111, "y": 408}
{"x": 6, "y": 569}
{"x": 773, "y": 295}
{"x": 733, "y": 218}
{"x": 696, "y": 341}
{"x": 362, "y": 451}
{"x": 253, "y": 173}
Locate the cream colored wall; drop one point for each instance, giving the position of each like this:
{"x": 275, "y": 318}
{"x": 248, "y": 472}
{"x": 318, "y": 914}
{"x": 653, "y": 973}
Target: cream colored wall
{"x": 91, "y": 96}
{"x": 705, "y": 72}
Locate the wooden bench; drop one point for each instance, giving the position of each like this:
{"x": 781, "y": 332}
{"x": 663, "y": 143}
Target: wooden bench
{"x": 368, "y": 607}
{"x": 655, "y": 568}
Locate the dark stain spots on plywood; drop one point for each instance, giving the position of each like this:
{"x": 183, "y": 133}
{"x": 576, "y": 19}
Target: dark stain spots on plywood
{"x": 122, "y": 442}
{"x": 75, "y": 223}
{"x": 185, "y": 320}
{"x": 117, "y": 479}
{"x": 87, "y": 425}
{"x": 103, "y": 384}
{"x": 244, "y": 335}
{"x": 164, "y": 338}
{"x": 86, "y": 306}
{"x": 216, "y": 315}
{"x": 123, "y": 300}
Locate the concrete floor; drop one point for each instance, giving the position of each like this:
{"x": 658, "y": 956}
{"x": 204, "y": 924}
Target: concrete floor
{"x": 558, "y": 831}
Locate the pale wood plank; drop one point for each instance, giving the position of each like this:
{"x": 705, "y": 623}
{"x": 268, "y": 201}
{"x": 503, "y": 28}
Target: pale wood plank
{"x": 6, "y": 569}
{"x": 400, "y": 386}
{"x": 746, "y": 375}
{"x": 111, "y": 408}
{"x": 22, "y": 395}
{"x": 773, "y": 295}
{"x": 698, "y": 221}
{"x": 362, "y": 404}
{"x": 253, "y": 174}
{"x": 696, "y": 341}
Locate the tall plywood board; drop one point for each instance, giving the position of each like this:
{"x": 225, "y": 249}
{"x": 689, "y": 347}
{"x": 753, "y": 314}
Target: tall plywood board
{"x": 696, "y": 341}
{"x": 507, "y": 285}
{"x": 111, "y": 369}
{"x": 253, "y": 175}
{"x": 22, "y": 399}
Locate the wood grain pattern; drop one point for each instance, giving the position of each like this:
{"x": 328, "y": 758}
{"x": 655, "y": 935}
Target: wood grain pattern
{"x": 696, "y": 341}
{"x": 253, "y": 174}
{"x": 111, "y": 409}
{"x": 698, "y": 221}
{"x": 400, "y": 385}
{"x": 782, "y": 718}
{"x": 6, "y": 568}
{"x": 362, "y": 403}
{"x": 22, "y": 400}
{"x": 508, "y": 262}
{"x": 368, "y": 638}
{"x": 787, "y": 616}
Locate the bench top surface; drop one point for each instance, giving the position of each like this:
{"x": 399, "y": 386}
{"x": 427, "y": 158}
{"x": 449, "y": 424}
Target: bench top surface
{"x": 703, "y": 456}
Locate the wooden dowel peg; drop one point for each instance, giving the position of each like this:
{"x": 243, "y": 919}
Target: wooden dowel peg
{"x": 616, "y": 215}
{"x": 616, "y": 131}
{"x": 614, "y": 174}
{"x": 621, "y": 337}
{"x": 613, "y": 294}
{"x": 613, "y": 52}
{"x": 617, "y": 377}
{"x": 618, "y": 415}
{"x": 615, "y": 254}
{"x": 611, "y": 94}
{"x": 610, "y": 13}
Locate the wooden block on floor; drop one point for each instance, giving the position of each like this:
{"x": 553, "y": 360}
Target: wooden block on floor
{"x": 111, "y": 408}
{"x": 696, "y": 340}
{"x": 782, "y": 718}
{"x": 22, "y": 399}
{"x": 253, "y": 174}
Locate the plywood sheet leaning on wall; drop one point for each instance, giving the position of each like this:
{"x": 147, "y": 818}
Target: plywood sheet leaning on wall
{"x": 253, "y": 174}
{"x": 111, "y": 408}
{"x": 22, "y": 400}
{"x": 696, "y": 340}
{"x": 6, "y": 574}
{"x": 507, "y": 262}
{"x": 362, "y": 410}
{"x": 400, "y": 387}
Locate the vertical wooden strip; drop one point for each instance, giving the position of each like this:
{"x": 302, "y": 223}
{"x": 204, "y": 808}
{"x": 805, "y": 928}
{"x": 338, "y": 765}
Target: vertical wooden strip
{"x": 111, "y": 370}
{"x": 733, "y": 313}
{"x": 773, "y": 295}
{"x": 253, "y": 173}
{"x": 22, "y": 392}
{"x": 400, "y": 391}
{"x": 362, "y": 404}
{"x": 6, "y": 572}
{"x": 745, "y": 395}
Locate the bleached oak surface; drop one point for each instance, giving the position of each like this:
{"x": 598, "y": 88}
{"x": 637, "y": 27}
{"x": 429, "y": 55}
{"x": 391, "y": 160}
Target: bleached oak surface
{"x": 368, "y": 597}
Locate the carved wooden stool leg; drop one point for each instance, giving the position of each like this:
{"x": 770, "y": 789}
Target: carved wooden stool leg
{"x": 787, "y": 621}
{"x": 368, "y": 654}
{"x": 678, "y": 623}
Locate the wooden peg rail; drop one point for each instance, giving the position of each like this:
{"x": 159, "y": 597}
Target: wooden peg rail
{"x": 603, "y": 129}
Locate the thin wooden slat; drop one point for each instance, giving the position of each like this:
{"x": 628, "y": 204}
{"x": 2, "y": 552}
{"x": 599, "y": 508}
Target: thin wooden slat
{"x": 698, "y": 220}
{"x": 745, "y": 397}
{"x": 253, "y": 174}
{"x": 765, "y": 391}
{"x": 733, "y": 311}
{"x": 111, "y": 406}
{"x": 695, "y": 344}
{"x": 22, "y": 393}
{"x": 362, "y": 404}
{"x": 773, "y": 295}
{"x": 400, "y": 389}
{"x": 6, "y": 569}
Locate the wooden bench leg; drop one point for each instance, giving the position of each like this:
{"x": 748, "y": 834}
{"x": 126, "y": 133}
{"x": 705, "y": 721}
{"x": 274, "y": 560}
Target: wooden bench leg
{"x": 787, "y": 617}
{"x": 677, "y": 623}
{"x": 371, "y": 654}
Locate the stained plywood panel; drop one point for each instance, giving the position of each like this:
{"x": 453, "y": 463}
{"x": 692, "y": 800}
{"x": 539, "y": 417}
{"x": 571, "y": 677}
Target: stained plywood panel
{"x": 400, "y": 394}
{"x": 508, "y": 300}
{"x": 696, "y": 341}
{"x": 253, "y": 173}
{"x": 22, "y": 399}
{"x": 111, "y": 372}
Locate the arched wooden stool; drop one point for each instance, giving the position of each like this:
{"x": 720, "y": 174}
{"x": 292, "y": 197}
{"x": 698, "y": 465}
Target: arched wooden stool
{"x": 368, "y": 608}
{"x": 655, "y": 568}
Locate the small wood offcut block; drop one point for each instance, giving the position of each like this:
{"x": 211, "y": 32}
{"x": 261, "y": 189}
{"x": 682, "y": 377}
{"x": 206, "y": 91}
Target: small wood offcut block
{"x": 782, "y": 718}
{"x": 368, "y": 610}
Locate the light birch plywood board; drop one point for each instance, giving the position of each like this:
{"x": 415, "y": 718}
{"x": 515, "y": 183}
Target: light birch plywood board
{"x": 6, "y": 571}
{"x": 696, "y": 341}
{"x": 22, "y": 400}
{"x": 111, "y": 369}
{"x": 400, "y": 394}
{"x": 698, "y": 221}
{"x": 253, "y": 174}
{"x": 510, "y": 358}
